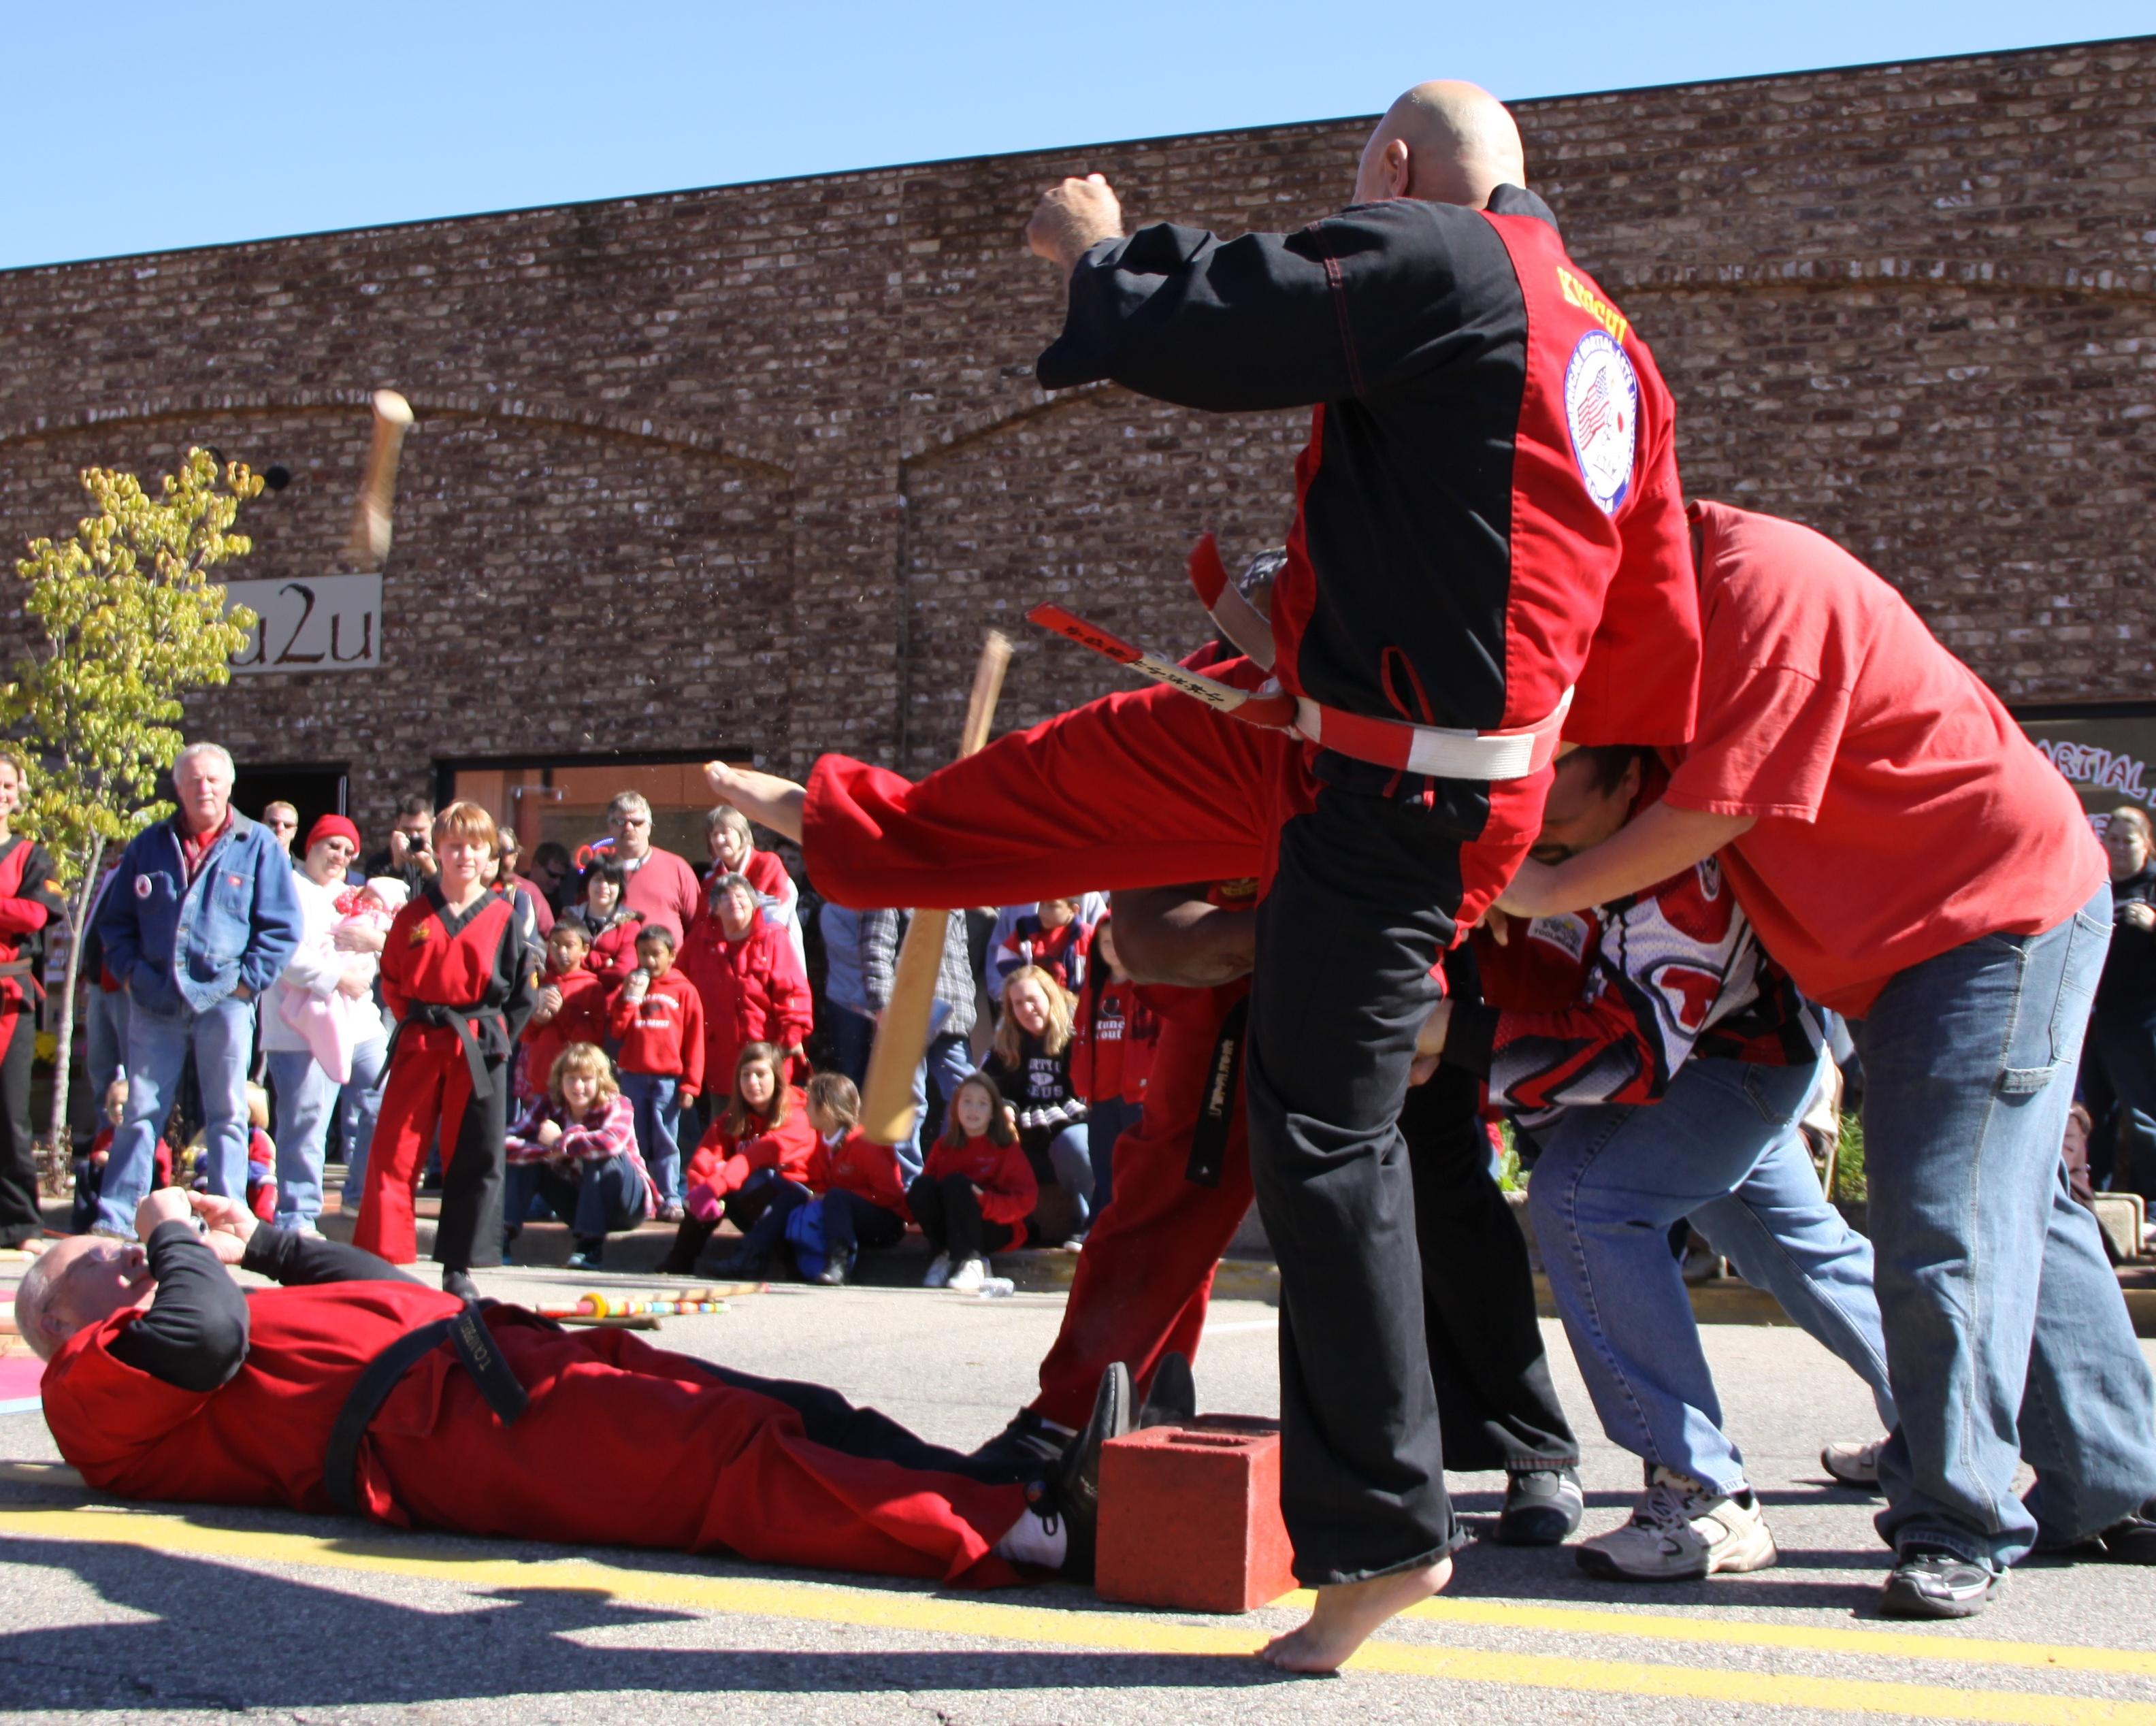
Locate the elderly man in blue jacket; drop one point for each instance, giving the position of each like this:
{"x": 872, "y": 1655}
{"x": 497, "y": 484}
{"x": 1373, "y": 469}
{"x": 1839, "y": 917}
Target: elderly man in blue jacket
{"x": 196, "y": 922}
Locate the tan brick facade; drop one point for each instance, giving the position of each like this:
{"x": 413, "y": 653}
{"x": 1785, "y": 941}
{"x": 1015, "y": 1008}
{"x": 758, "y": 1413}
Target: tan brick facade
{"x": 751, "y": 468}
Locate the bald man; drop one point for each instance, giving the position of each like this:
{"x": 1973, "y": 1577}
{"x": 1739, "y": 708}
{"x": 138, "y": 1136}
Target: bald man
{"x": 1487, "y": 553}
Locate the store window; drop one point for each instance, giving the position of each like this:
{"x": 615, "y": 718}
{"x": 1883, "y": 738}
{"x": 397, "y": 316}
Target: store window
{"x": 2104, "y": 752}
{"x": 566, "y": 801}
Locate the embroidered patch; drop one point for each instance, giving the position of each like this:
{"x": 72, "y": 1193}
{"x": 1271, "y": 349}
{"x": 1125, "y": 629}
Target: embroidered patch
{"x": 420, "y": 932}
{"x": 1566, "y": 932}
{"x": 1602, "y": 411}
{"x": 142, "y": 887}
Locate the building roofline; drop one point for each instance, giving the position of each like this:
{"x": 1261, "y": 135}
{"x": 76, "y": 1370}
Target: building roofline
{"x": 1275, "y": 128}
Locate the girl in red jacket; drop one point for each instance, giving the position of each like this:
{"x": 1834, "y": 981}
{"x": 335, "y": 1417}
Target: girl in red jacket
{"x": 753, "y": 988}
{"x": 863, "y": 1184}
{"x": 761, "y": 1140}
{"x": 974, "y": 1195}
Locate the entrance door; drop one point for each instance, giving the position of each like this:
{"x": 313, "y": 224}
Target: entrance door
{"x": 313, "y": 791}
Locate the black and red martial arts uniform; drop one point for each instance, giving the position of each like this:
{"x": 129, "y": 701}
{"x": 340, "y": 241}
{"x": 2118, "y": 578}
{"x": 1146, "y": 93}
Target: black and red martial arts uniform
{"x": 460, "y": 985}
{"x": 353, "y": 1391}
{"x": 1488, "y": 545}
{"x": 29, "y": 899}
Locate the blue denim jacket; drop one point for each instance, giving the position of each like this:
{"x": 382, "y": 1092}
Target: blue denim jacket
{"x": 174, "y": 942}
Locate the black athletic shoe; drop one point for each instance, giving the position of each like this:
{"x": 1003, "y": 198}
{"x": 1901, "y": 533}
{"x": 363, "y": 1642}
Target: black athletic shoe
{"x": 1172, "y": 1398}
{"x": 1927, "y": 1583}
{"x": 1076, "y": 1483}
{"x": 460, "y": 1285}
{"x": 833, "y": 1275}
{"x": 1542, "y": 1507}
{"x": 2130, "y": 1542}
{"x": 1028, "y": 1443}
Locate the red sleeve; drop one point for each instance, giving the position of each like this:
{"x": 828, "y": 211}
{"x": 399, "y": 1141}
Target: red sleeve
{"x": 22, "y": 917}
{"x": 396, "y": 951}
{"x": 692, "y": 1038}
{"x": 1010, "y": 1192}
{"x": 107, "y": 1417}
{"x": 1767, "y": 741}
{"x": 712, "y": 1149}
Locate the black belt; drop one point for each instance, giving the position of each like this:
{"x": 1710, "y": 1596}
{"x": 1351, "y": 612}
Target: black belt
{"x": 491, "y": 1043}
{"x": 1216, "y": 1110}
{"x": 24, "y": 971}
{"x": 476, "y": 1350}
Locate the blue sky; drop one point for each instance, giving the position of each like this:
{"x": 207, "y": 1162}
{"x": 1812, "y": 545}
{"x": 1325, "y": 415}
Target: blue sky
{"x": 136, "y": 128}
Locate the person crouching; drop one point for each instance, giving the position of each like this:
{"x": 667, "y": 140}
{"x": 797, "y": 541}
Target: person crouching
{"x": 761, "y": 1140}
{"x": 575, "y": 1148}
{"x": 977, "y": 1190}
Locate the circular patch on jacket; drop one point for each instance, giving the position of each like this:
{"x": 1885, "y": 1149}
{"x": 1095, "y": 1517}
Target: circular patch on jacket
{"x": 1602, "y": 411}
{"x": 142, "y": 888}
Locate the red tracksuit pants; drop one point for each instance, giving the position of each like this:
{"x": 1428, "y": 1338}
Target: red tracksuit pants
{"x": 624, "y": 1444}
{"x": 429, "y": 1088}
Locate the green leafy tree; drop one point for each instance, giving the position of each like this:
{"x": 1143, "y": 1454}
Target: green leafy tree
{"x": 130, "y": 620}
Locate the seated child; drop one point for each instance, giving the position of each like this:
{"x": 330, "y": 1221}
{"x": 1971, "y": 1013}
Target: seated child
{"x": 977, "y": 1190}
{"x": 90, "y": 1170}
{"x": 1030, "y": 1063}
{"x": 1051, "y": 936}
{"x": 575, "y": 1148}
{"x": 571, "y": 1009}
{"x": 261, "y": 1157}
{"x": 851, "y": 1195}
{"x": 762, "y": 1140}
{"x": 657, "y": 1017}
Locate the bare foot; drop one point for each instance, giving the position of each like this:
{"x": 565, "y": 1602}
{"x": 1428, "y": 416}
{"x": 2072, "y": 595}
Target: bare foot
{"x": 763, "y": 797}
{"x": 1345, "y": 1614}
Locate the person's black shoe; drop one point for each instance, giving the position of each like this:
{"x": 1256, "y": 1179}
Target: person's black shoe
{"x": 1029, "y": 1443}
{"x": 459, "y": 1284}
{"x": 1075, "y": 1485}
{"x": 1928, "y": 1583}
{"x": 745, "y": 1265}
{"x": 833, "y": 1275}
{"x": 1172, "y": 1398}
{"x": 2130, "y": 1542}
{"x": 1542, "y": 1507}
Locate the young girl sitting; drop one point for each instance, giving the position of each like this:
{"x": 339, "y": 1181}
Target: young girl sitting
{"x": 851, "y": 1195}
{"x": 575, "y": 1148}
{"x": 761, "y": 1140}
{"x": 1030, "y": 1061}
{"x": 977, "y": 1190}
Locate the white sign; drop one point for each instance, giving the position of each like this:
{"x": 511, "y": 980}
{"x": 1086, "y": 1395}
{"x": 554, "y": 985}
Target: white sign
{"x": 325, "y": 622}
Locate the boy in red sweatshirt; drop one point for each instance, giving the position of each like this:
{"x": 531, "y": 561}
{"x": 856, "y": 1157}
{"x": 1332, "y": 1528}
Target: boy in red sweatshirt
{"x": 976, "y": 1190}
{"x": 658, "y": 1019}
{"x": 572, "y": 1008}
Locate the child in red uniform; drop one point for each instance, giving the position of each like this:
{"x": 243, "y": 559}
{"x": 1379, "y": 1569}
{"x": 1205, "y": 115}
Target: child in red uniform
{"x": 976, "y": 1190}
{"x": 575, "y": 1148}
{"x": 761, "y": 1140}
{"x": 658, "y": 1017}
{"x": 454, "y": 975}
{"x": 572, "y": 1008}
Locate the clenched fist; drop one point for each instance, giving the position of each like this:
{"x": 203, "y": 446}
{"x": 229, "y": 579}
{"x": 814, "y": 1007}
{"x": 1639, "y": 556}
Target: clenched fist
{"x": 1072, "y": 219}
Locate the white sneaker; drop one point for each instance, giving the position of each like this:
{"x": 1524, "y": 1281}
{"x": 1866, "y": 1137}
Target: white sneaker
{"x": 1682, "y": 1530}
{"x": 1852, "y": 1464}
{"x": 939, "y": 1271}
{"x": 969, "y": 1276}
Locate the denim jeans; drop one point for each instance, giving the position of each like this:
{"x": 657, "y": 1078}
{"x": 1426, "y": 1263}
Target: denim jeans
{"x": 223, "y": 1039}
{"x": 306, "y": 1095}
{"x": 950, "y": 1058}
{"x": 104, "y": 1040}
{"x": 604, "y": 1196}
{"x": 359, "y": 1105}
{"x": 656, "y": 1099}
{"x": 2119, "y": 1083}
{"x": 1722, "y": 1147}
{"x": 853, "y": 1033}
{"x": 1105, "y": 1123}
{"x": 2006, "y": 1333}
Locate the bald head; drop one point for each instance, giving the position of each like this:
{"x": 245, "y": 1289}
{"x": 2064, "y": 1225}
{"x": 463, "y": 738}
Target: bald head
{"x": 1445, "y": 140}
{"x": 82, "y": 1280}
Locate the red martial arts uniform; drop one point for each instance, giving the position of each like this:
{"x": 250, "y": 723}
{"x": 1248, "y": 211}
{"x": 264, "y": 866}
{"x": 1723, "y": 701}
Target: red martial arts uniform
{"x": 29, "y": 896}
{"x": 619, "y": 1443}
{"x": 459, "y": 989}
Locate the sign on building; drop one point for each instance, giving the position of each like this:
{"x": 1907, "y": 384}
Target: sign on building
{"x": 323, "y": 622}
{"x": 2109, "y": 757}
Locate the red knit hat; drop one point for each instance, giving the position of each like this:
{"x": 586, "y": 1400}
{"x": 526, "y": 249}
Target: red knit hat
{"x": 333, "y": 827}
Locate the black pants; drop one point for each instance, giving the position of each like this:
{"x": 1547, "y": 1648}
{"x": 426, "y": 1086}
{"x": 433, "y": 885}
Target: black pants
{"x": 744, "y": 1207}
{"x": 851, "y": 1222}
{"x": 20, "y": 1218}
{"x": 773, "y": 1202}
{"x": 468, "y": 1234}
{"x": 1496, "y": 1405}
{"x": 1358, "y": 912}
{"x": 950, "y": 1216}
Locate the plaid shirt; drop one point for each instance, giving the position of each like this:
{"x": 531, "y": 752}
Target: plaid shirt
{"x": 881, "y": 932}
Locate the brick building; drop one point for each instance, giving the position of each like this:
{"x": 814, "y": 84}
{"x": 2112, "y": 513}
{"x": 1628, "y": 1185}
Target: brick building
{"x": 747, "y": 470}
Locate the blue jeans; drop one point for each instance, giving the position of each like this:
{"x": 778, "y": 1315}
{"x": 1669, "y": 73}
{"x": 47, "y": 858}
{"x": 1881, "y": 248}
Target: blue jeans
{"x": 602, "y": 1197}
{"x": 223, "y": 1039}
{"x": 360, "y": 1105}
{"x": 853, "y": 1033}
{"x": 1723, "y": 1149}
{"x": 655, "y": 1098}
{"x": 1070, "y": 1158}
{"x": 1105, "y": 1123}
{"x": 2005, "y": 1330}
{"x": 950, "y": 1058}
{"x": 2119, "y": 1083}
{"x": 306, "y": 1095}
{"x": 103, "y": 1041}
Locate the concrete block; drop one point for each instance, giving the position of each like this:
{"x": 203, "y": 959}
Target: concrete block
{"x": 1190, "y": 1517}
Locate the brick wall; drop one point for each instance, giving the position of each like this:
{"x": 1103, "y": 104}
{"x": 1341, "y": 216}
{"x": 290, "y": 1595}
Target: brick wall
{"x": 751, "y": 468}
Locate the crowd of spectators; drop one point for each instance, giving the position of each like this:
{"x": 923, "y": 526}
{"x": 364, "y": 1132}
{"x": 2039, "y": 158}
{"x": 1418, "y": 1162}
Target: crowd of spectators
{"x": 696, "y": 1041}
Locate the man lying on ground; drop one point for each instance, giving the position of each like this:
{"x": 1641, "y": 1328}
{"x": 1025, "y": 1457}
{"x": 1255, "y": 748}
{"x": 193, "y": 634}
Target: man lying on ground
{"x": 354, "y": 1388}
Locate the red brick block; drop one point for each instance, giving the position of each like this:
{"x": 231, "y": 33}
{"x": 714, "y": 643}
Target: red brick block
{"x": 1190, "y": 1517}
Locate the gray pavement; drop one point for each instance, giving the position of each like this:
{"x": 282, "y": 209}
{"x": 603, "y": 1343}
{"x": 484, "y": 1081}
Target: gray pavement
{"x": 183, "y": 1612}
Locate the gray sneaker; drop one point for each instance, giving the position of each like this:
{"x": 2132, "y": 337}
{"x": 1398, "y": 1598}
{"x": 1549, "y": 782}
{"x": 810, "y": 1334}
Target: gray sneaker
{"x": 1930, "y": 1583}
{"x": 1542, "y": 1507}
{"x": 1681, "y": 1531}
{"x": 1854, "y": 1465}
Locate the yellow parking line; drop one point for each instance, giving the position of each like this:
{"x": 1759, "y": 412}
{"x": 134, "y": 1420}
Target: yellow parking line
{"x": 899, "y": 1609}
{"x": 1670, "y": 1626}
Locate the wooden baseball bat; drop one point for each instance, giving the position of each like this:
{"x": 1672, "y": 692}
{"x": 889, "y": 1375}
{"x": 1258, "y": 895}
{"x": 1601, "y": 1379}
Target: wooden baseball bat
{"x": 369, "y": 543}
{"x": 902, "y": 1037}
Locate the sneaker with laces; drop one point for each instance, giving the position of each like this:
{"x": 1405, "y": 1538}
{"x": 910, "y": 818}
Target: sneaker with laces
{"x": 939, "y": 1271}
{"x": 1681, "y": 1531}
{"x": 969, "y": 1276}
{"x": 1543, "y": 1507}
{"x": 1030, "y": 1443}
{"x": 1929, "y": 1582}
{"x": 1854, "y": 1465}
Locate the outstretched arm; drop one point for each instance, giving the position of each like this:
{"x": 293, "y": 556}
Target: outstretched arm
{"x": 763, "y": 797}
{"x": 1663, "y": 841}
{"x": 1176, "y": 935}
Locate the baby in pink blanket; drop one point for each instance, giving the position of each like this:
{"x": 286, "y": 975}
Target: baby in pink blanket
{"x": 333, "y": 1028}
